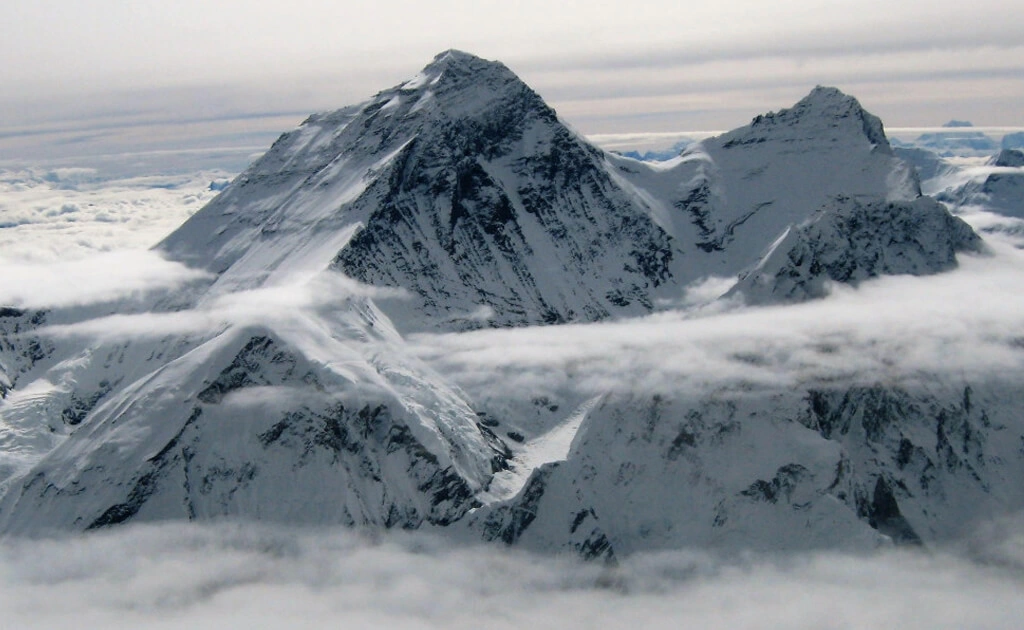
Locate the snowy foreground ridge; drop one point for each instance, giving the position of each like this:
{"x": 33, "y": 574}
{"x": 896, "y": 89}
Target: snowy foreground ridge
{"x": 368, "y": 337}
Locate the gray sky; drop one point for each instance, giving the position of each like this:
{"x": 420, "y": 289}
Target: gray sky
{"x": 606, "y": 67}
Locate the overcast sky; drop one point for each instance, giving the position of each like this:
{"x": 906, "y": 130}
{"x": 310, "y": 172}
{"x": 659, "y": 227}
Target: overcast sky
{"x": 606, "y": 67}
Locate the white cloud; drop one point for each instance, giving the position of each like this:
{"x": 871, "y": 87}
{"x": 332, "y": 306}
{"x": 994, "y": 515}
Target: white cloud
{"x": 65, "y": 213}
{"x": 298, "y": 301}
{"x": 100, "y": 278}
{"x": 703, "y": 292}
{"x": 243, "y": 576}
{"x": 318, "y": 290}
{"x": 962, "y": 323}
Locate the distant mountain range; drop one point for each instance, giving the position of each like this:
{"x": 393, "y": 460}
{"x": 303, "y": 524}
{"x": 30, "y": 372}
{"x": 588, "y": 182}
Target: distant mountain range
{"x": 958, "y": 139}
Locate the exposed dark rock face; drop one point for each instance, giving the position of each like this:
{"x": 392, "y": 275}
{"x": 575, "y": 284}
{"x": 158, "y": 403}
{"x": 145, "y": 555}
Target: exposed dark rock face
{"x": 850, "y": 242}
{"x": 462, "y": 188}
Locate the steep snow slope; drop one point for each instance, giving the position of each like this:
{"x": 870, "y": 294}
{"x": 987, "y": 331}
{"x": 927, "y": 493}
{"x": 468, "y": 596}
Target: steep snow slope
{"x": 727, "y": 198}
{"x": 819, "y": 468}
{"x": 56, "y": 381}
{"x": 289, "y": 423}
{"x": 459, "y": 186}
{"x": 850, "y": 242}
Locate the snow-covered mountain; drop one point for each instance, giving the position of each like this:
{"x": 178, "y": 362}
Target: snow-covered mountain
{"x": 728, "y": 198}
{"x": 1009, "y": 158}
{"x": 850, "y": 242}
{"x": 824, "y": 467}
{"x": 1013, "y": 140}
{"x": 457, "y": 200}
{"x": 463, "y": 188}
{"x": 321, "y": 421}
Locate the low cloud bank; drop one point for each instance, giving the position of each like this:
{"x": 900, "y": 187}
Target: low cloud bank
{"x": 98, "y": 278}
{"x": 247, "y": 576}
{"x": 964, "y": 323}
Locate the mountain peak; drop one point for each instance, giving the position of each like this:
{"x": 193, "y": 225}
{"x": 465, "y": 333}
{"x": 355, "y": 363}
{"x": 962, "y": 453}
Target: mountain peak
{"x": 824, "y": 97}
{"x": 456, "y": 84}
{"x": 828, "y": 91}
{"x": 454, "y": 56}
{"x": 458, "y": 69}
{"x": 825, "y": 111}
{"x": 834, "y": 104}
{"x": 460, "y": 186}
{"x": 463, "y": 63}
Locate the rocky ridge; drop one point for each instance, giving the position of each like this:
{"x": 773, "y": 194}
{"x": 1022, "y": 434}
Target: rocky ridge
{"x": 849, "y": 242}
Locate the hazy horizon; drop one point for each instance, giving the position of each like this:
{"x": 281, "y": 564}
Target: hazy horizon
{"x": 109, "y": 76}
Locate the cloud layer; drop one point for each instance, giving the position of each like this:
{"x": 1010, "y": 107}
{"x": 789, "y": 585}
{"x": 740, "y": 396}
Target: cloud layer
{"x": 964, "y": 323}
{"x": 67, "y": 211}
{"x": 244, "y": 576}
